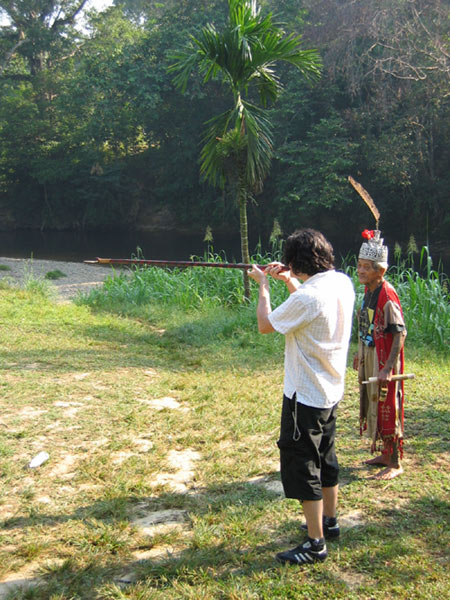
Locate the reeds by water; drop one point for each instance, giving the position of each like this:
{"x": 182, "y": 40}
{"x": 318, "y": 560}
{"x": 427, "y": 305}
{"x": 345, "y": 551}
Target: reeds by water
{"x": 424, "y": 294}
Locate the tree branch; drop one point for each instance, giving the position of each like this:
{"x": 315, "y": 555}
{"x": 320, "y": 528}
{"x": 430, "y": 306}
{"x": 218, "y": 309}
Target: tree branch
{"x": 11, "y": 52}
{"x": 68, "y": 20}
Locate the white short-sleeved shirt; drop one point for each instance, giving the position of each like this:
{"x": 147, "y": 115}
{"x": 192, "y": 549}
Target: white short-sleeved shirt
{"x": 316, "y": 320}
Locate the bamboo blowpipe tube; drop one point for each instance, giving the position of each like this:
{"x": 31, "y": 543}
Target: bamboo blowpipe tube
{"x": 172, "y": 263}
{"x": 393, "y": 378}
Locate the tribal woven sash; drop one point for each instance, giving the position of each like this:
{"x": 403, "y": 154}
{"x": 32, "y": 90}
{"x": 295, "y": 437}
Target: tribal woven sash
{"x": 387, "y": 407}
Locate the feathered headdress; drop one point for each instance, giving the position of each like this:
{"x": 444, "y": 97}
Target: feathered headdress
{"x": 367, "y": 199}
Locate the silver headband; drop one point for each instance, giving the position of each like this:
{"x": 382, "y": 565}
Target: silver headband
{"x": 373, "y": 249}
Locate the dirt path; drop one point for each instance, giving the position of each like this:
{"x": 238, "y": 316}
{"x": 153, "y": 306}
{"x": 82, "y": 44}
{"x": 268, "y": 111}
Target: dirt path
{"x": 79, "y": 276}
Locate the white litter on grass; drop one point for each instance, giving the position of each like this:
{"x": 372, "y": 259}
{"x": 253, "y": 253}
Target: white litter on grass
{"x": 127, "y": 578}
{"x": 38, "y": 460}
{"x": 150, "y": 372}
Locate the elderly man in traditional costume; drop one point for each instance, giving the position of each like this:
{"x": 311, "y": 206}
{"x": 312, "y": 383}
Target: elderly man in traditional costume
{"x": 381, "y": 338}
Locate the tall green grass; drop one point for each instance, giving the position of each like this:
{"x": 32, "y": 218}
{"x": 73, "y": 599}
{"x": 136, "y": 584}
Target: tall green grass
{"x": 190, "y": 288}
{"x": 425, "y": 301}
{"x": 424, "y": 295}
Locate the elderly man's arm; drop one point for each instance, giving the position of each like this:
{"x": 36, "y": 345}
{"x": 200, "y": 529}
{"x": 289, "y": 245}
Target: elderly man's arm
{"x": 398, "y": 340}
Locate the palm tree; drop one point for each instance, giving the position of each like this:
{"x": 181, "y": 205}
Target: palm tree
{"x": 237, "y": 144}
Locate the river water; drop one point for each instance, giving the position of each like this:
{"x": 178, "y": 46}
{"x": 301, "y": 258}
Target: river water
{"x": 159, "y": 245}
{"x": 76, "y": 246}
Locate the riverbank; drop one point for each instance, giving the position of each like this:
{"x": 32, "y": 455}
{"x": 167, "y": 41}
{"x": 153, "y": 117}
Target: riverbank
{"x": 75, "y": 246}
{"x": 79, "y": 277}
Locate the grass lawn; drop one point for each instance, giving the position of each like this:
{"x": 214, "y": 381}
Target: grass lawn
{"x": 162, "y": 481}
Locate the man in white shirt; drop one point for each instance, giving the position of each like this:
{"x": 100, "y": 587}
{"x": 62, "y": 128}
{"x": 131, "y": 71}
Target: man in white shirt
{"x": 316, "y": 321}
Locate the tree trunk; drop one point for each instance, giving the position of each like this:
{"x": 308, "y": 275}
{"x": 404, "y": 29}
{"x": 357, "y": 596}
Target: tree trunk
{"x": 242, "y": 200}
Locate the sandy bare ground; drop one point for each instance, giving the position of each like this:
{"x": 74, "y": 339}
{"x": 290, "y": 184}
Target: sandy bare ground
{"x": 79, "y": 276}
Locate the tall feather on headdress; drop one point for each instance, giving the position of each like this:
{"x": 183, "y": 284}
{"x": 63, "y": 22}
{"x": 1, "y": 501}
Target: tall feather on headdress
{"x": 367, "y": 198}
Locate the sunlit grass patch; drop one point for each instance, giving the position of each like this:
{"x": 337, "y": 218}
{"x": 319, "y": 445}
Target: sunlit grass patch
{"x": 81, "y": 383}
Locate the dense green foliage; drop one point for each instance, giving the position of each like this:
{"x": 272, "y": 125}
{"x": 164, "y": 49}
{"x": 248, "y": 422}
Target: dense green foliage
{"x": 93, "y": 132}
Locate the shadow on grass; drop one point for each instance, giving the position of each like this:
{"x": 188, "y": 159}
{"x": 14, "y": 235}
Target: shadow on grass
{"x": 182, "y": 346}
{"x": 57, "y": 361}
{"x": 380, "y": 551}
{"x": 214, "y": 498}
{"x": 81, "y": 579}
{"x": 428, "y": 429}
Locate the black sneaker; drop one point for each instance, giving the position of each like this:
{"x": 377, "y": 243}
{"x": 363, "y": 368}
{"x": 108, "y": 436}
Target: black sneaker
{"x": 330, "y": 528}
{"x": 304, "y": 554}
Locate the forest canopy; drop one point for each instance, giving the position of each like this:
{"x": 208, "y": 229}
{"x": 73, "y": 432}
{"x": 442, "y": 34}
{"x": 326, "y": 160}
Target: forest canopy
{"x": 94, "y": 133}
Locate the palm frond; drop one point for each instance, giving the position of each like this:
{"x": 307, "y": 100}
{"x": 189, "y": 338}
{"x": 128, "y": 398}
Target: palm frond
{"x": 183, "y": 65}
{"x": 274, "y": 47}
{"x": 267, "y": 83}
{"x": 212, "y": 166}
{"x": 259, "y": 142}
{"x": 240, "y": 138}
{"x": 244, "y": 54}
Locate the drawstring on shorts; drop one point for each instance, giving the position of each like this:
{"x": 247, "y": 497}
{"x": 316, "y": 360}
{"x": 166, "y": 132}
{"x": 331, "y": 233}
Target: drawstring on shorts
{"x": 297, "y": 433}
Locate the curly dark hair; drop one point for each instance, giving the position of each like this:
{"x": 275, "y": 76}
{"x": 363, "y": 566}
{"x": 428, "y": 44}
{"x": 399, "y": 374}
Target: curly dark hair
{"x": 308, "y": 251}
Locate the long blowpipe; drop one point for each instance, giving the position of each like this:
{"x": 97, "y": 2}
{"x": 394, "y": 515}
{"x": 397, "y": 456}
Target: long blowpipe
{"x": 182, "y": 264}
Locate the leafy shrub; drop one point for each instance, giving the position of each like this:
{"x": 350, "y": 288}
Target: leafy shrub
{"x": 56, "y": 274}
